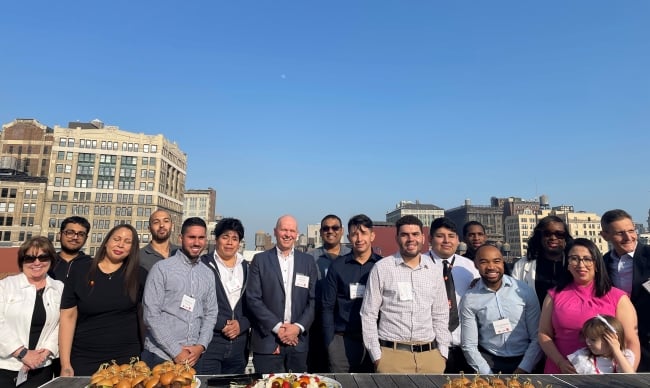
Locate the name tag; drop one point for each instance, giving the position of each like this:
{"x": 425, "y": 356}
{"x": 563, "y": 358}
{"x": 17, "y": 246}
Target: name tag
{"x": 502, "y": 326}
{"x": 302, "y": 280}
{"x": 187, "y": 303}
{"x": 405, "y": 291}
{"x": 357, "y": 290}
{"x": 646, "y": 285}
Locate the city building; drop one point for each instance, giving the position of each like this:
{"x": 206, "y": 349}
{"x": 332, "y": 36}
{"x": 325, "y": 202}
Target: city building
{"x": 105, "y": 174}
{"x": 200, "y": 203}
{"x": 490, "y": 216}
{"x": 424, "y": 212}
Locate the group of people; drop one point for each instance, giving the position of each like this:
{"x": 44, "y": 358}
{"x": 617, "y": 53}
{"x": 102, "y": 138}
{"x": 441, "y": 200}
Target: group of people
{"x": 565, "y": 308}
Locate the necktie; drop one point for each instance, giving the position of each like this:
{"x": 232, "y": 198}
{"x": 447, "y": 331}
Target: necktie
{"x": 451, "y": 294}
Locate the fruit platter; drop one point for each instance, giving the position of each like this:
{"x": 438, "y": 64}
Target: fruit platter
{"x": 291, "y": 380}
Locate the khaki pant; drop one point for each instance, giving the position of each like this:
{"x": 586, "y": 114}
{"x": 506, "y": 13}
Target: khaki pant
{"x": 404, "y": 361}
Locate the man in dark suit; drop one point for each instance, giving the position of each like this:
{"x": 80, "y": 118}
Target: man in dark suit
{"x": 628, "y": 265}
{"x": 280, "y": 293}
{"x": 227, "y": 353}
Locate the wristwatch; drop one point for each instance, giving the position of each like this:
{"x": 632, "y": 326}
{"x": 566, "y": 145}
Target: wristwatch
{"x": 22, "y": 354}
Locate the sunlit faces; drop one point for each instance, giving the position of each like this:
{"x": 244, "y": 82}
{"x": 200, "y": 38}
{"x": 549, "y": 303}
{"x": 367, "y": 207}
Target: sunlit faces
{"x": 622, "y": 235}
{"x": 193, "y": 241}
{"x": 475, "y": 236}
{"x": 227, "y": 245}
{"x": 286, "y": 232}
{"x": 582, "y": 271}
{"x": 444, "y": 242}
{"x": 361, "y": 238}
{"x": 160, "y": 225}
{"x": 490, "y": 265}
{"x": 119, "y": 244}
{"x": 73, "y": 237}
{"x": 36, "y": 263}
{"x": 410, "y": 240}
{"x": 331, "y": 231}
{"x": 554, "y": 238}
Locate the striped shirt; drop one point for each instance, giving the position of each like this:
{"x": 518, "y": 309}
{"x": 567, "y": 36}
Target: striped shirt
{"x": 410, "y": 303}
{"x": 170, "y": 285}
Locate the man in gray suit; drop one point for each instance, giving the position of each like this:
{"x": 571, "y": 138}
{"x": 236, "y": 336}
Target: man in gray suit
{"x": 280, "y": 293}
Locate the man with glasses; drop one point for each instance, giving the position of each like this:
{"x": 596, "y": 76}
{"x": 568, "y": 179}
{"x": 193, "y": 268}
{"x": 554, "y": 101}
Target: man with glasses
{"x": 73, "y": 236}
{"x": 331, "y": 232}
{"x": 628, "y": 265}
{"x": 161, "y": 227}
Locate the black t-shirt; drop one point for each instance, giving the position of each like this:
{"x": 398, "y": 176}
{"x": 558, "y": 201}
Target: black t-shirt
{"x": 546, "y": 276}
{"x": 61, "y": 269}
{"x": 107, "y": 320}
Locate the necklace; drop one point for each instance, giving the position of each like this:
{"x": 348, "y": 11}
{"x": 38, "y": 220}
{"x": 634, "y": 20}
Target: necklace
{"x": 110, "y": 274}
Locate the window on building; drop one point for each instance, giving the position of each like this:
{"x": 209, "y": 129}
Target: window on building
{"x": 63, "y": 142}
{"x": 70, "y": 142}
{"x": 64, "y": 196}
{"x": 60, "y": 155}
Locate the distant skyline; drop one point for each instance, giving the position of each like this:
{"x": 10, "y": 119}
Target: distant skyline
{"x": 347, "y": 107}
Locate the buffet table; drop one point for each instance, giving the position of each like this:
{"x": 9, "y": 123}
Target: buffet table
{"x": 363, "y": 380}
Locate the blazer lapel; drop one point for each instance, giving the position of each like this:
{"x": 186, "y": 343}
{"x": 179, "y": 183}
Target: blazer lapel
{"x": 275, "y": 267}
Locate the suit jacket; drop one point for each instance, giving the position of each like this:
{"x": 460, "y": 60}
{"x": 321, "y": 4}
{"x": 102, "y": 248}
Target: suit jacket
{"x": 265, "y": 297}
{"x": 226, "y": 312}
{"x": 640, "y": 299}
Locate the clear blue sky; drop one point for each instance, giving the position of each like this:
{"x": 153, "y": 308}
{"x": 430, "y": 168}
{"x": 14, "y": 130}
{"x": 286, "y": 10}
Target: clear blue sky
{"x": 346, "y": 107}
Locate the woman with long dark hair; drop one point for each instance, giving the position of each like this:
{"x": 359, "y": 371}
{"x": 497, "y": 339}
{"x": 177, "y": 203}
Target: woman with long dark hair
{"x": 583, "y": 291}
{"x": 101, "y": 306}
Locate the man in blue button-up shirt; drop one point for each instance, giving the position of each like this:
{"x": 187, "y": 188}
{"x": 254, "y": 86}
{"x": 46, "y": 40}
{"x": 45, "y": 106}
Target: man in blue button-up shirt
{"x": 499, "y": 319}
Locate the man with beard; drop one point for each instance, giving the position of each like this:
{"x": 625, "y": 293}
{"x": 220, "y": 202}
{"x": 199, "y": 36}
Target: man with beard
{"x": 499, "y": 319}
{"x": 161, "y": 227}
{"x": 280, "y": 294}
{"x": 544, "y": 262}
{"x": 180, "y": 304}
{"x": 331, "y": 231}
{"x": 73, "y": 236}
{"x": 405, "y": 314}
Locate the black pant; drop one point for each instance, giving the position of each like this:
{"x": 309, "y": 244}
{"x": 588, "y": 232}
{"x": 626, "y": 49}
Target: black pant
{"x": 35, "y": 378}
{"x": 287, "y": 360}
{"x": 505, "y": 365}
{"x": 456, "y": 361}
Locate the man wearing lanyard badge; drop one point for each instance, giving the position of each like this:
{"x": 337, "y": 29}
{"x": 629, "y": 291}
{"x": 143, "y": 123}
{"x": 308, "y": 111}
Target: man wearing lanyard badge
{"x": 499, "y": 319}
{"x": 342, "y": 296}
{"x": 458, "y": 273}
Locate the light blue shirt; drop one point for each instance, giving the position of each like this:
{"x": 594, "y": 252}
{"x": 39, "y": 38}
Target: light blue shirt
{"x": 621, "y": 270}
{"x": 180, "y": 305}
{"x": 481, "y": 307}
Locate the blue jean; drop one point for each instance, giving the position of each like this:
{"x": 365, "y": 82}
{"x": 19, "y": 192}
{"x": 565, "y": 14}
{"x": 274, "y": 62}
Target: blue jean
{"x": 224, "y": 357}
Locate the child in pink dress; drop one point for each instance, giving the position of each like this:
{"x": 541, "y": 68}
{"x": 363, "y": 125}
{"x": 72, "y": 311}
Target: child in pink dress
{"x": 604, "y": 352}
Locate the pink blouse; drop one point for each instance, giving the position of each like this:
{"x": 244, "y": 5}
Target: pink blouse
{"x": 572, "y": 307}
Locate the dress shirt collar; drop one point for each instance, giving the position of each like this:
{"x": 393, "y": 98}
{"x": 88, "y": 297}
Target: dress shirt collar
{"x": 506, "y": 281}
{"x": 283, "y": 256}
{"x": 425, "y": 260}
{"x": 630, "y": 254}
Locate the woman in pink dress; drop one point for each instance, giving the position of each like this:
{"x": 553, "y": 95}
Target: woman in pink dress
{"x": 583, "y": 291}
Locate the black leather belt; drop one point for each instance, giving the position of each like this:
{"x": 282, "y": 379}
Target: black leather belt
{"x": 409, "y": 347}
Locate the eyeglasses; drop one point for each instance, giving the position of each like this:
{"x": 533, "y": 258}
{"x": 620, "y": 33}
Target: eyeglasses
{"x": 575, "y": 260}
{"x": 71, "y": 233}
{"x": 31, "y": 258}
{"x": 558, "y": 234}
{"x": 326, "y": 228}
